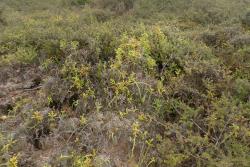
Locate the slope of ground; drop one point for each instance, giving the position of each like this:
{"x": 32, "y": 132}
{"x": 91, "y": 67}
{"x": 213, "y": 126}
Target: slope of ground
{"x": 124, "y": 83}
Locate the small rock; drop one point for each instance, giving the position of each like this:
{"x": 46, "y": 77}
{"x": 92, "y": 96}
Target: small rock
{"x": 3, "y": 118}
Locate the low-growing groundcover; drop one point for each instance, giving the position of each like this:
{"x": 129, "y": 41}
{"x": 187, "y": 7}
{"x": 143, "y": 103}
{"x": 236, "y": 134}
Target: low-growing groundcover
{"x": 116, "y": 83}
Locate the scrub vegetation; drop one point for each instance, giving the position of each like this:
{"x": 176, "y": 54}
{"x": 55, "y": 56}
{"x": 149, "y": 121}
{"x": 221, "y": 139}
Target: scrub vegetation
{"x": 125, "y": 83}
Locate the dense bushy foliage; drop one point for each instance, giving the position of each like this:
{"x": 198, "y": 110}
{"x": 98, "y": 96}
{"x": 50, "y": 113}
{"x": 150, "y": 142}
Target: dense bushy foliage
{"x": 128, "y": 82}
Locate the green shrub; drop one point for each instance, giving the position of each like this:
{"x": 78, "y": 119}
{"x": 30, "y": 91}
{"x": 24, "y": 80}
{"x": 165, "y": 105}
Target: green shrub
{"x": 74, "y": 2}
{"x": 117, "y": 6}
{"x": 242, "y": 89}
{"x": 135, "y": 79}
{"x": 22, "y": 56}
{"x": 246, "y": 20}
